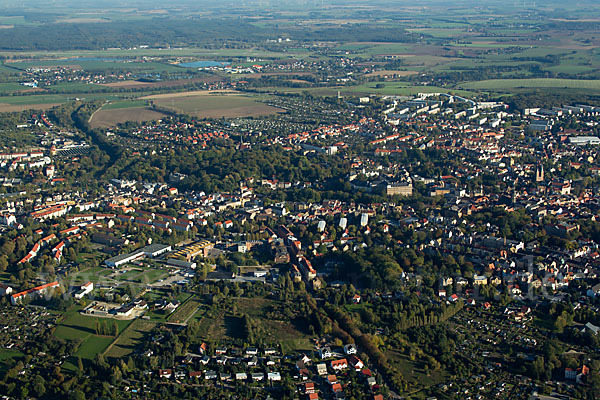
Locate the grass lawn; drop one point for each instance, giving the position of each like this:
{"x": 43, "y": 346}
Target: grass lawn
{"x": 7, "y": 356}
{"x": 93, "y": 345}
{"x": 36, "y": 99}
{"x": 130, "y": 338}
{"x": 185, "y": 311}
{"x": 295, "y": 345}
{"x": 213, "y": 328}
{"x": 355, "y": 308}
{"x": 77, "y": 326}
{"x": 151, "y": 276}
{"x": 92, "y": 274}
{"x": 6, "y": 70}
{"x": 413, "y": 370}
{"x": 129, "y": 275}
{"x": 183, "y": 297}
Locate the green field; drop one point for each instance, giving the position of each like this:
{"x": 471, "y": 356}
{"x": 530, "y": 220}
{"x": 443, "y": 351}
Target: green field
{"x": 141, "y": 276}
{"x": 52, "y": 98}
{"x": 507, "y": 84}
{"x": 221, "y": 327}
{"x": 93, "y": 345}
{"x": 14, "y": 20}
{"x": 151, "y": 276}
{"x": 11, "y": 87}
{"x": 130, "y": 338}
{"x": 194, "y": 104}
{"x": 122, "y": 53}
{"x": 398, "y": 89}
{"x": 8, "y": 356}
{"x": 128, "y": 275}
{"x": 413, "y": 371}
{"x": 35, "y": 99}
{"x": 98, "y": 65}
{"x": 76, "y": 87}
{"x": 216, "y": 106}
{"x": 293, "y": 345}
{"x": 92, "y": 274}
{"x": 375, "y": 49}
{"x": 119, "y": 105}
{"x": 77, "y": 326}
{"x": 185, "y": 311}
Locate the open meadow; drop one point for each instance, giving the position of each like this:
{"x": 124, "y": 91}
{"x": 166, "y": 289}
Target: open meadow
{"x": 112, "y": 117}
{"x": 216, "y": 105}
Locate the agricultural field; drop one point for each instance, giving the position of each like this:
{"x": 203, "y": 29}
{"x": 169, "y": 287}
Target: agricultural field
{"x": 14, "y": 87}
{"x": 397, "y": 89}
{"x": 508, "y": 84}
{"x": 216, "y": 106}
{"x": 108, "y": 118}
{"x": 131, "y": 84}
{"x": 124, "y": 104}
{"x": 44, "y": 101}
{"x": 22, "y": 107}
{"x": 96, "y": 64}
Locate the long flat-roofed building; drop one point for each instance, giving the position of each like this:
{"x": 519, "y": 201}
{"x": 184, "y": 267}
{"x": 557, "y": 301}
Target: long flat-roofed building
{"x": 33, "y": 293}
{"x": 153, "y": 250}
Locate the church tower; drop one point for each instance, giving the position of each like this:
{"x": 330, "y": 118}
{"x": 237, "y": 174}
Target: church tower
{"x": 539, "y": 173}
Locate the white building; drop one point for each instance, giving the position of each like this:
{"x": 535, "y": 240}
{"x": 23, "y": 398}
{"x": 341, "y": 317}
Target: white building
{"x": 321, "y": 226}
{"x": 364, "y": 219}
{"x": 85, "y": 289}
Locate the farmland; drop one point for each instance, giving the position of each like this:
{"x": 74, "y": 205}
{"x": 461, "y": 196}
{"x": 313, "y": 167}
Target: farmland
{"x": 112, "y": 117}
{"x": 130, "y": 84}
{"x": 508, "y": 84}
{"x": 216, "y": 106}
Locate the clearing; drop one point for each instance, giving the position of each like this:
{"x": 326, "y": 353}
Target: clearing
{"x": 208, "y": 105}
{"x": 111, "y": 118}
{"x": 130, "y": 338}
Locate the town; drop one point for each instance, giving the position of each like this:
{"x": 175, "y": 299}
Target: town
{"x": 301, "y": 206}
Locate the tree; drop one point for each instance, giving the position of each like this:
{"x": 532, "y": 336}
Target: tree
{"x": 77, "y": 395}
{"x": 79, "y": 365}
{"x": 3, "y": 263}
{"x": 39, "y": 387}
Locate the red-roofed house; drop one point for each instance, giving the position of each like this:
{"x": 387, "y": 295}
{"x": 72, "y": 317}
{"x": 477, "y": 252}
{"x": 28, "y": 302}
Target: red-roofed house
{"x": 338, "y": 365}
{"x": 32, "y": 293}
